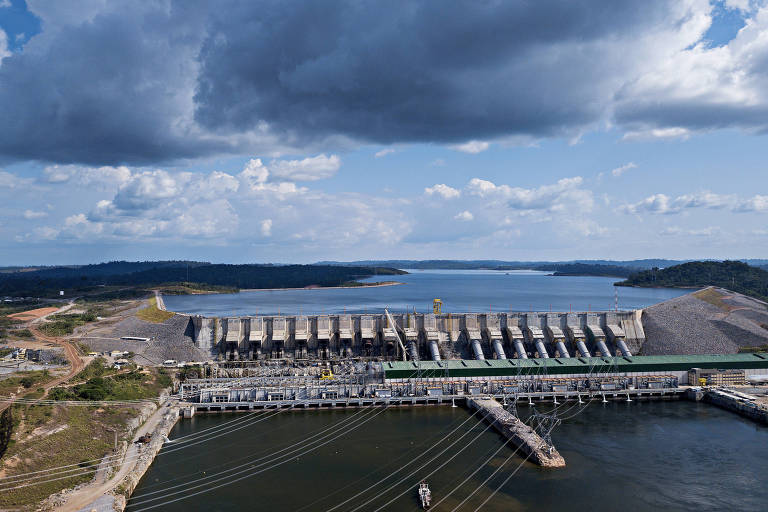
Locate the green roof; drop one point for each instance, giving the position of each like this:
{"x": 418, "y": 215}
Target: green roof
{"x": 554, "y": 366}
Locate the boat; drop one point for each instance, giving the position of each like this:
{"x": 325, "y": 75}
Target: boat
{"x": 425, "y": 495}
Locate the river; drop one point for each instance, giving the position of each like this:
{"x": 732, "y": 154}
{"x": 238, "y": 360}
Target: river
{"x": 672, "y": 456}
{"x": 460, "y": 290}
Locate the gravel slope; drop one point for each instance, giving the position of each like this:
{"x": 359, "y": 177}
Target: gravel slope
{"x": 691, "y": 325}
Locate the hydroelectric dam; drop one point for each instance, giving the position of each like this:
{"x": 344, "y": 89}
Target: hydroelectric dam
{"x": 385, "y": 337}
{"x": 486, "y": 361}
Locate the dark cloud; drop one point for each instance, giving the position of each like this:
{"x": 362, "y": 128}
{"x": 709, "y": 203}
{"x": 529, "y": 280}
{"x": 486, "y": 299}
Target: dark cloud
{"x": 403, "y": 71}
{"x": 141, "y": 83}
{"x": 103, "y": 91}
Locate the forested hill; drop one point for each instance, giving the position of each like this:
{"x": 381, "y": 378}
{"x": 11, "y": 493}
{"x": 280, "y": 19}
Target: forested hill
{"x": 144, "y": 274}
{"x": 732, "y": 275}
{"x": 584, "y": 269}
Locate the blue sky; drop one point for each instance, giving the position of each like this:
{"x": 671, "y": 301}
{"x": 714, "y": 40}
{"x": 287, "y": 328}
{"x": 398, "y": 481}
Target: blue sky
{"x": 298, "y": 132}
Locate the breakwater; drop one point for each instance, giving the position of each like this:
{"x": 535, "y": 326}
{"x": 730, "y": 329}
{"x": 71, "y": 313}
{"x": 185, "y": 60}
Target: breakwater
{"x": 740, "y": 403}
{"x": 522, "y": 436}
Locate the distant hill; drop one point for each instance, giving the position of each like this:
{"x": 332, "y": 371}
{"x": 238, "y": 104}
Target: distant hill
{"x": 585, "y": 269}
{"x": 732, "y": 275}
{"x": 48, "y": 281}
{"x": 505, "y": 265}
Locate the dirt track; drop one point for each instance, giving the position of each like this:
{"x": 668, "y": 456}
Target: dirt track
{"x": 76, "y": 363}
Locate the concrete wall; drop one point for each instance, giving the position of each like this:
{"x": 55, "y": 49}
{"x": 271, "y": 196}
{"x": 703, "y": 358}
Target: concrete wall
{"x": 229, "y": 338}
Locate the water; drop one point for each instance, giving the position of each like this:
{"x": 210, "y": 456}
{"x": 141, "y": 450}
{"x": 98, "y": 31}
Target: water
{"x": 460, "y": 290}
{"x": 672, "y": 456}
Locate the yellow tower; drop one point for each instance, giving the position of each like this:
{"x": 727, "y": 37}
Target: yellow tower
{"x": 436, "y": 305}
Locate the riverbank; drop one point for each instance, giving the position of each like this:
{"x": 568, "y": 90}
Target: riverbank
{"x": 355, "y": 286}
{"x": 111, "y": 489}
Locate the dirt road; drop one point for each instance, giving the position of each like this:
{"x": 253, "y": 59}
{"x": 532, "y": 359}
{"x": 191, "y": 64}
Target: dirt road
{"x": 76, "y": 363}
{"x": 88, "y": 494}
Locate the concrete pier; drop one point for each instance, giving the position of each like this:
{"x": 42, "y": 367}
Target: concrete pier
{"x": 520, "y": 434}
{"x": 740, "y": 403}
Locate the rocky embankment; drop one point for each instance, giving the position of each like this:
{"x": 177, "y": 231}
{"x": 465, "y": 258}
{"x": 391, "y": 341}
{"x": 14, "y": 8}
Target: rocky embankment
{"x": 171, "y": 339}
{"x": 146, "y": 455}
{"x": 521, "y": 435}
{"x": 710, "y": 321}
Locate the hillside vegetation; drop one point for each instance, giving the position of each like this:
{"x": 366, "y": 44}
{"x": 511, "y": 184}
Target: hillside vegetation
{"x": 732, "y": 275}
{"x": 196, "y": 275}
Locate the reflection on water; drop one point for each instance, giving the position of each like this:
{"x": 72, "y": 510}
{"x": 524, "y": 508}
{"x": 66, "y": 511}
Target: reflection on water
{"x": 620, "y": 456}
{"x": 460, "y": 291}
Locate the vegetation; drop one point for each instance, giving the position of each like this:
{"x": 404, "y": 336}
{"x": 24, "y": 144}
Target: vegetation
{"x": 761, "y": 348}
{"x": 6, "y": 429}
{"x": 53, "y": 436}
{"x": 185, "y": 288}
{"x": 584, "y": 269}
{"x": 500, "y": 265}
{"x": 153, "y": 314}
{"x": 186, "y": 277}
{"x": 105, "y": 383}
{"x": 732, "y": 275}
{"x": 25, "y": 380}
{"x": 64, "y": 324}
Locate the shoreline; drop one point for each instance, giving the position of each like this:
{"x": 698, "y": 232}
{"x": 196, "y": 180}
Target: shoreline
{"x": 309, "y": 288}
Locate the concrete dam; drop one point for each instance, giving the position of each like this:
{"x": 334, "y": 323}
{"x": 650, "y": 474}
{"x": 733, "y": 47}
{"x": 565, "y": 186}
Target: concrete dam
{"x": 418, "y": 336}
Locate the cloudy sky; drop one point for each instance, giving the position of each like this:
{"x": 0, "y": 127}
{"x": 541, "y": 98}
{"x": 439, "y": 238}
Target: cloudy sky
{"x": 304, "y": 131}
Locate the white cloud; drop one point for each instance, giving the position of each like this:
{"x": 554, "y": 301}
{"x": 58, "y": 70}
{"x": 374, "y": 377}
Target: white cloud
{"x": 3, "y": 46}
{"x": 442, "y": 190}
{"x": 665, "y": 205}
{"x": 676, "y": 132}
{"x": 741, "y": 5}
{"x": 618, "y": 171}
{"x": 99, "y": 177}
{"x": 384, "y": 152}
{"x": 9, "y": 180}
{"x": 266, "y": 227}
{"x": 254, "y": 172}
{"x": 700, "y": 232}
{"x": 31, "y": 214}
{"x": 464, "y": 216}
{"x": 473, "y": 146}
{"x": 557, "y": 196}
{"x": 5, "y": 3}
{"x": 319, "y": 167}
{"x": 437, "y": 162}
{"x": 756, "y": 203}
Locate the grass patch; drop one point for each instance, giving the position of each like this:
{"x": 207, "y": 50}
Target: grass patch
{"x": 713, "y": 297}
{"x": 24, "y": 380}
{"x": 65, "y": 324}
{"x": 22, "y": 333}
{"x": 88, "y": 435}
{"x": 105, "y": 383}
{"x": 151, "y": 313}
{"x": 761, "y": 348}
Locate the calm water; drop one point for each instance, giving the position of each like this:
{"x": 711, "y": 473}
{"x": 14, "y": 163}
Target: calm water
{"x": 620, "y": 456}
{"x": 460, "y": 291}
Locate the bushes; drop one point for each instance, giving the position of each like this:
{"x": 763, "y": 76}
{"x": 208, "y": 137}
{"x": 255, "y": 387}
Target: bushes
{"x": 127, "y": 386}
{"x": 63, "y": 325}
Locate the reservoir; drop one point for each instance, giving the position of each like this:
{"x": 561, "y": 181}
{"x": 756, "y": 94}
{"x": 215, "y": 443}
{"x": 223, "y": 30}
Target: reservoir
{"x": 460, "y": 290}
{"x": 675, "y": 455}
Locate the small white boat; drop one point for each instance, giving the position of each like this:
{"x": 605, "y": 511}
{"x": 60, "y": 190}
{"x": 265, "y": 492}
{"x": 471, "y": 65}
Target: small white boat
{"x": 425, "y": 495}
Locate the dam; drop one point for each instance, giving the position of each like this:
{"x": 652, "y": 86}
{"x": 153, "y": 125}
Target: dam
{"x": 420, "y": 336}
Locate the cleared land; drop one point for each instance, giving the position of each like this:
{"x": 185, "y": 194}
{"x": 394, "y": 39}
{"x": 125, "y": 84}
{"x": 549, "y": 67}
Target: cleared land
{"x": 710, "y": 321}
{"x": 33, "y": 314}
